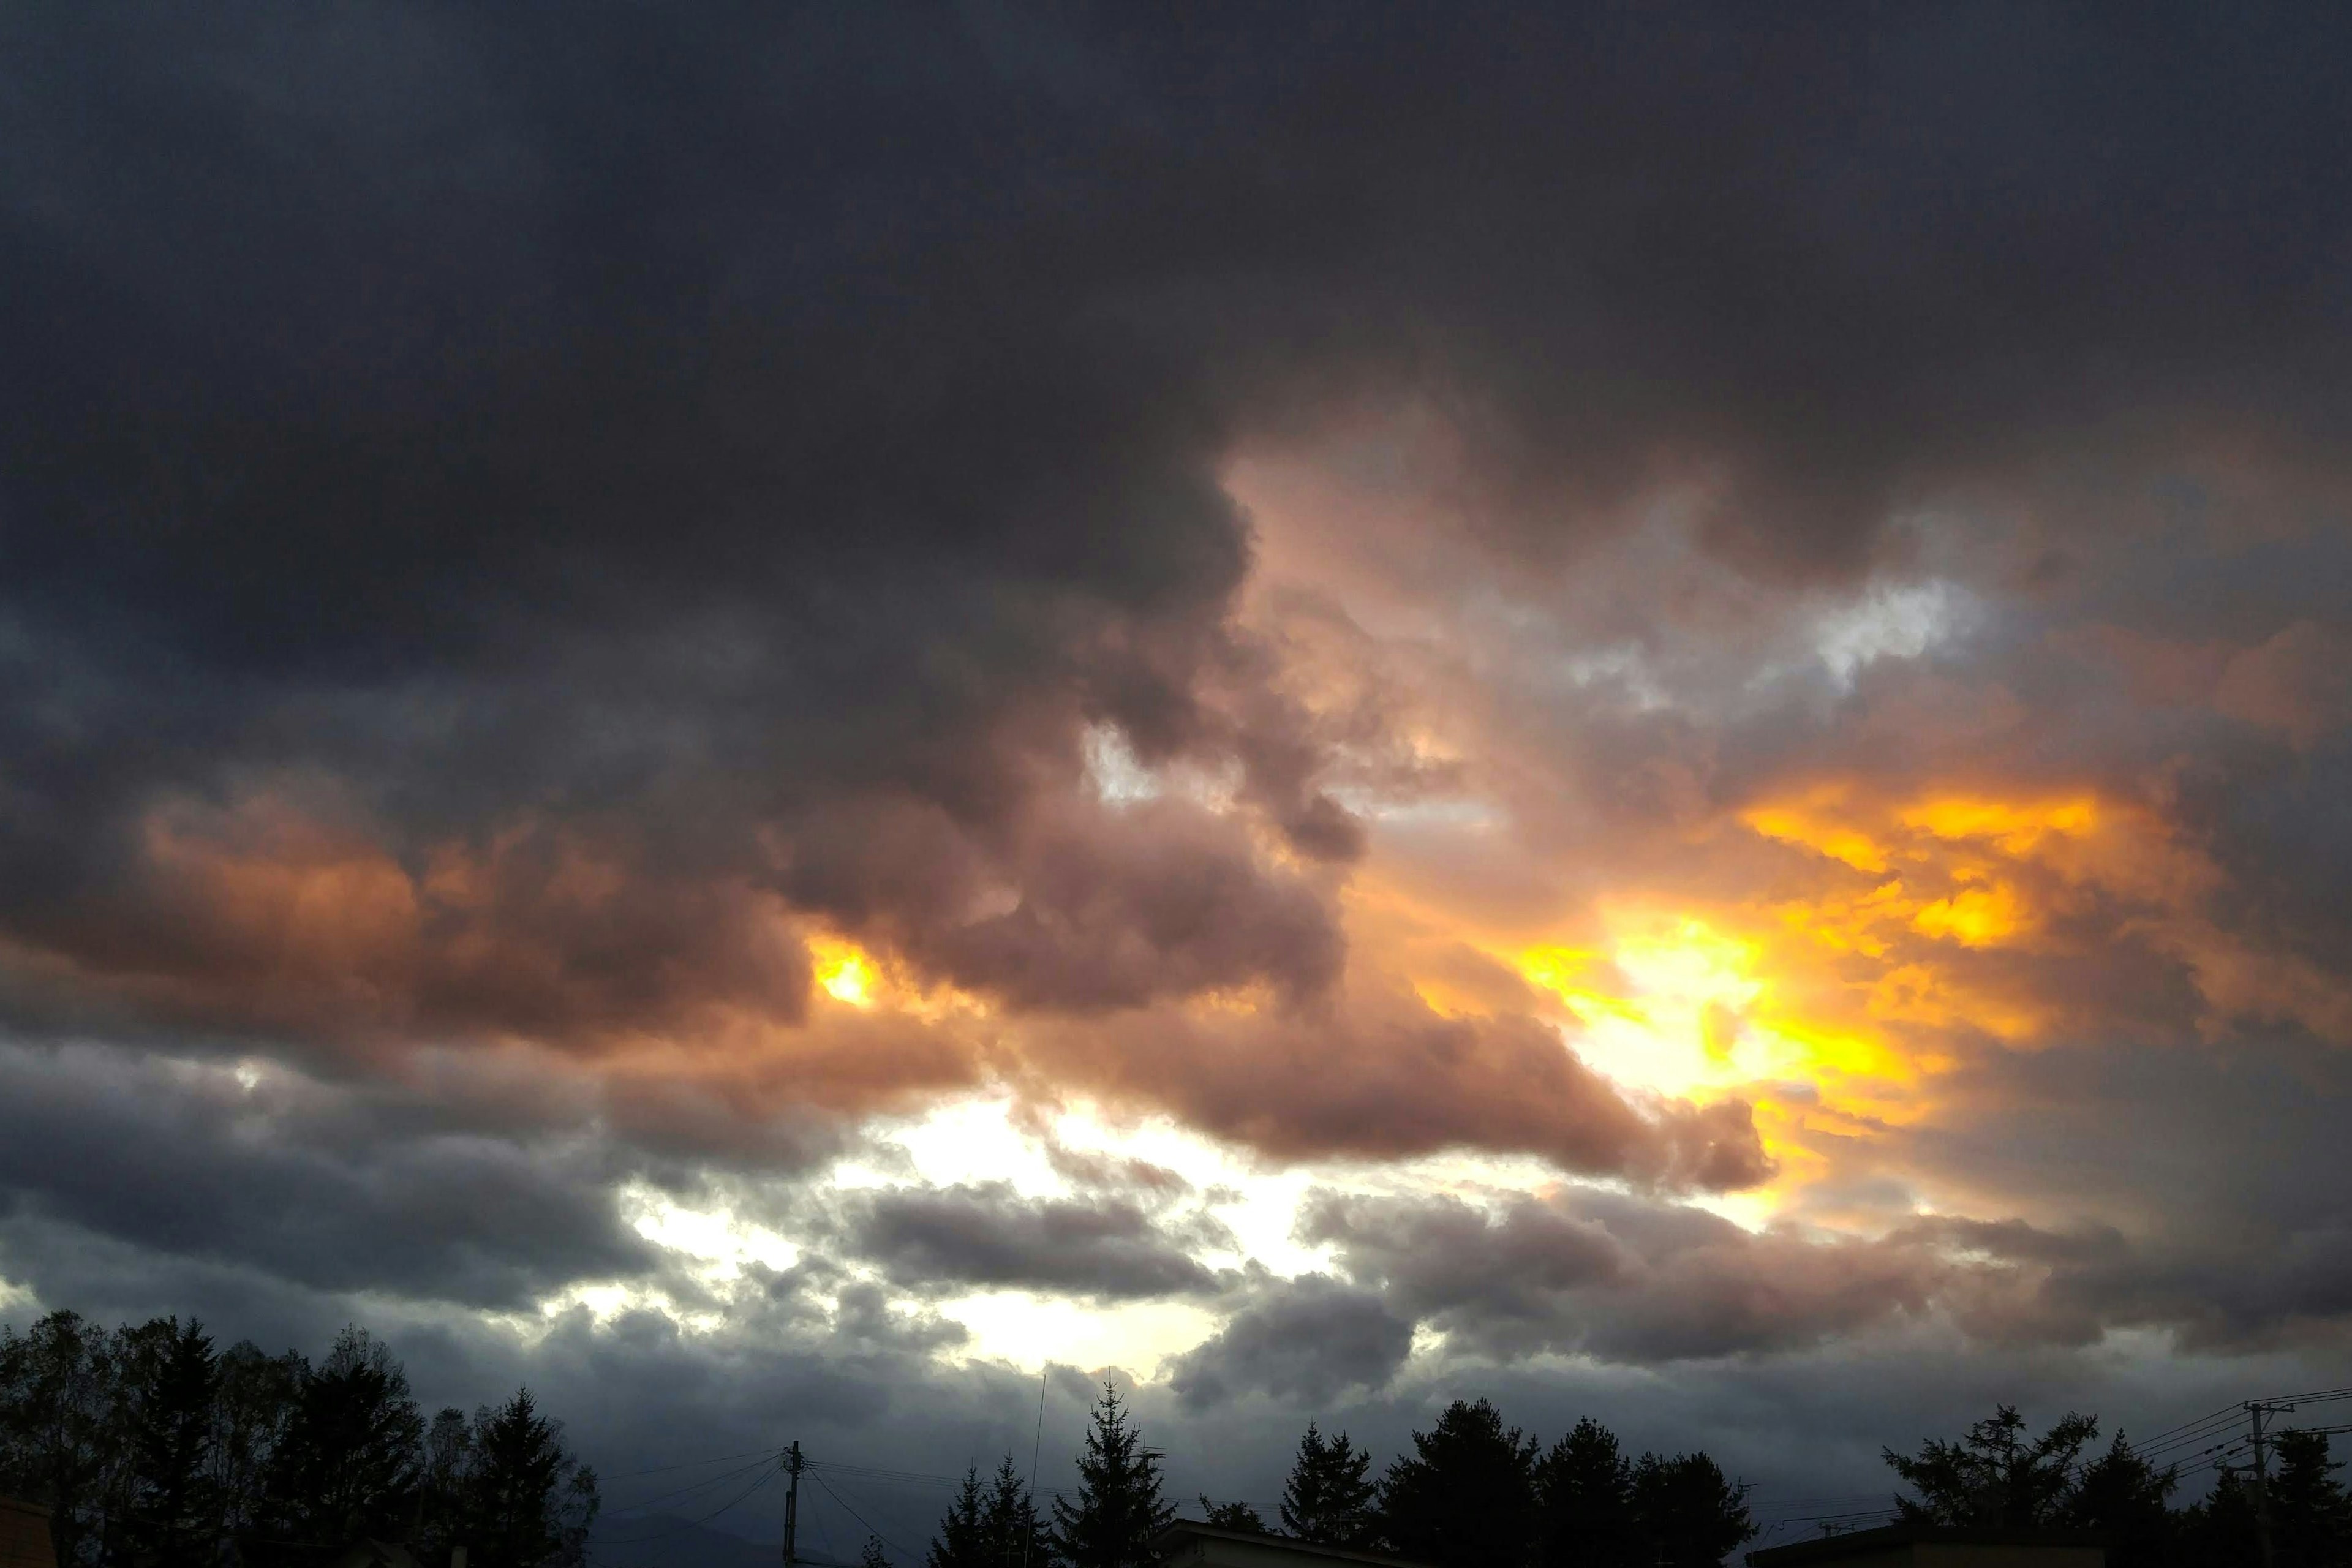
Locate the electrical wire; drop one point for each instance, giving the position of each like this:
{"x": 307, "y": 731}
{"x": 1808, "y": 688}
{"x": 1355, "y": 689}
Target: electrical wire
{"x": 690, "y": 1464}
{"x": 912, "y": 1478}
{"x": 676, "y": 1492}
{"x": 769, "y": 1474}
{"x": 860, "y": 1518}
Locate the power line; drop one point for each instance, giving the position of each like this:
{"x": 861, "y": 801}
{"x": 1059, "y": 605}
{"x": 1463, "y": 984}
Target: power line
{"x": 2228, "y": 1413}
{"x": 913, "y": 1477}
{"x": 690, "y": 1464}
{"x": 767, "y": 1474}
{"x": 860, "y": 1518}
{"x": 719, "y": 1480}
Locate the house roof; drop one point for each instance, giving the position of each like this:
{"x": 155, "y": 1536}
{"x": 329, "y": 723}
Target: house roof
{"x": 1853, "y": 1542}
{"x": 1184, "y": 1527}
{"x": 24, "y": 1541}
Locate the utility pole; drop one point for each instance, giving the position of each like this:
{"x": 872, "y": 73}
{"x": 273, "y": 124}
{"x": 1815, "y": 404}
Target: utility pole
{"x": 793, "y": 1505}
{"x": 2255, "y": 1410}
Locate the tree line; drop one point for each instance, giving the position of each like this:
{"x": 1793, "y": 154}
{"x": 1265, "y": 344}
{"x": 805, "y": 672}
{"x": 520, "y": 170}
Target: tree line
{"x": 1998, "y": 1476}
{"x": 1474, "y": 1493}
{"x": 152, "y": 1450}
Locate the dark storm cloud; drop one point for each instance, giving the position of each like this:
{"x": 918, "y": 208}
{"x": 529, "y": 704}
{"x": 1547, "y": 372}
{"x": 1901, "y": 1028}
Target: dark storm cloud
{"x": 1386, "y": 1078}
{"x": 2214, "y": 1171}
{"x": 1308, "y": 1339}
{"x": 987, "y": 1234}
{"x": 299, "y": 1182}
{"x": 507, "y": 527}
{"x": 746, "y": 436}
{"x": 1615, "y": 1278}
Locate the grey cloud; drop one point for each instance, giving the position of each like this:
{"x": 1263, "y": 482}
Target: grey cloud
{"x": 1380, "y": 1075}
{"x": 1308, "y": 1340}
{"x": 1617, "y": 1278}
{"x": 1137, "y": 905}
{"x": 297, "y": 1181}
{"x": 987, "y": 1234}
{"x": 425, "y": 400}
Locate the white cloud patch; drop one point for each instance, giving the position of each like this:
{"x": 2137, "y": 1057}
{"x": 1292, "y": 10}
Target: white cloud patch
{"x": 1892, "y": 621}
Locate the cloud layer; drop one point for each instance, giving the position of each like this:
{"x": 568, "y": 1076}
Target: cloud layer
{"x": 1361, "y": 700}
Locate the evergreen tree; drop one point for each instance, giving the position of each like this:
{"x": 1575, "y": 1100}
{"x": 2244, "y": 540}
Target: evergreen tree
{"x": 1120, "y": 1508}
{"x": 1584, "y": 1493}
{"x": 517, "y": 1497}
{"x": 1465, "y": 1496}
{"x": 1685, "y": 1514}
{"x": 873, "y": 1554}
{"x": 2123, "y": 1498}
{"x": 167, "y": 1384}
{"x": 1231, "y": 1515}
{"x": 1011, "y": 1532}
{"x": 442, "y": 1486}
{"x": 1994, "y": 1476}
{"x": 2311, "y": 1519}
{"x": 2218, "y": 1531}
{"x": 150, "y": 1449}
{"x": 1330, "y": 1498}
{"x": 348, "y": 1463}
{"x": 962, "y": 1539}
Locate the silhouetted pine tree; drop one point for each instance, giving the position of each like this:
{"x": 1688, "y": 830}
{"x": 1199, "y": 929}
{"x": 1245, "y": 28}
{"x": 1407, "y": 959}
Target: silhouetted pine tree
{"x": 1584, "y": 1498}
{"x": 347, "y": 1465}
{"x": 1330, "y": 1498}
{"x": 2311, "y": 1519}
{"x": 168, "y": 1378}
{"x": 962, "y": 1540}
{"x": 506, "y": 1489}
{"x": 1120, "y": 1508}
{"x": 1995, "y": 1477}
{"x": 2124, "y": 1499}
{"x": 873, "y": 1554}
{"x": 1685, "y": 1514}
{"x": 2217, "y": 1529}
{"x": 1011, "y": 1532}
{"x": 1465, "y": 1496}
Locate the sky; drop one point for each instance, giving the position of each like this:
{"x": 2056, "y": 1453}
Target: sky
{"x": 793, "y": 717}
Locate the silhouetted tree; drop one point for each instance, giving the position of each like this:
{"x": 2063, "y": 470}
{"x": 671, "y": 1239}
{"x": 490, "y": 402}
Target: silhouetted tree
{"x": 1465, "y": 1495}
{"x": 1231, "y": 1515}
{"x": 1584, "y": 1498}
{"x": 2126, "y": 1499}
{"x": 167, "y": 1383}
{"x": 253, "y": 1403}
{"x": 1011, "y": 1531}
{"x": 2310, "y": 1520}
{"x": 1685, "y": 1514}
{"x": 505, "y": 1488}
{"x": 2217, "y": 1529}
{"x": 1994, "y": 1476}
{"x": 1330, "y": 1498}
{"x": 1120, "y": 1508}
{"x": 347, "y": 1464}
{"x": 151, "y": 1449}
{"x": 873, "y": 1554}
{"x": 962, "y": 1540}
{"x": 57, "y": 1449}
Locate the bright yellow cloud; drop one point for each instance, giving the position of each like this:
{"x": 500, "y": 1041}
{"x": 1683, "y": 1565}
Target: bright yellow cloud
{"x": 844, "y": 971}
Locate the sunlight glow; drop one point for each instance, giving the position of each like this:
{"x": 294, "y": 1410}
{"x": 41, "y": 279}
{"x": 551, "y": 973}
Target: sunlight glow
{"x": 843, "y": 971}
